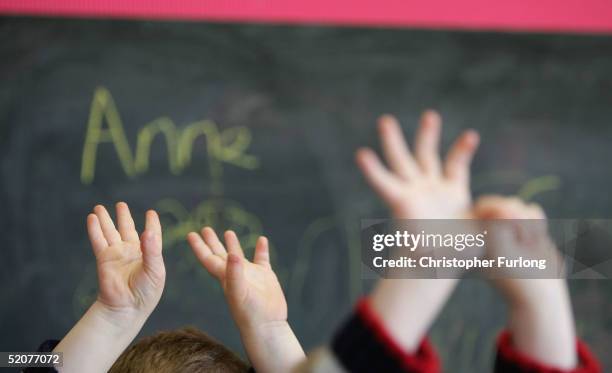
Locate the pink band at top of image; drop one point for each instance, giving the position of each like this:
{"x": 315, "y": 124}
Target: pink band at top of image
{"x": 574, "y": 16}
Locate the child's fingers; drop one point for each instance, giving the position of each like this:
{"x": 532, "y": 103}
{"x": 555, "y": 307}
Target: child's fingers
{"x": 427, "y": 140}
{"x": 198, "y": 245}
{"x": 379, "y": 178}
{"x": 153, "y": 228}
{"x": 489, "y": 207}
{"x": 395, "y": 148}
{"x": 152, "y": 223}
{"x": 211, "y": 239}
{"x": 213, "y": 264}
{"x": 152, "y": 244}
{"x": 235, "y": 281}
{"x": 108, "y": 228}
{"x": 537, "y": 214}
{"x": 125, "y": 223}
{"x": 536, "y": 211}
{"x": 233, "y": 244}
{"x": 459, "y": 158}
{"x": 489, "y": 199}
{"x": 96, "y": 237}
{"x": 152, "y": 259}
{"x": 498, "y": 207}
{"x": 262, "y": 252}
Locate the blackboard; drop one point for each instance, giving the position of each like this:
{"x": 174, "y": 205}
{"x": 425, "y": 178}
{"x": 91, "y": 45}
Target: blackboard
{"x": 253, "y": 127}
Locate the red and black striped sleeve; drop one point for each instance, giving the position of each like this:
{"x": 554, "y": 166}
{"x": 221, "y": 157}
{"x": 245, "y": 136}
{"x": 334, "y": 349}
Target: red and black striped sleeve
{"x": 364, "y": 345}
{"x": 510, "y": 360}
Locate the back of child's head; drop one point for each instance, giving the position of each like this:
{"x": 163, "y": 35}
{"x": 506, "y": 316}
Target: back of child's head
{"x": 183, "y": 350}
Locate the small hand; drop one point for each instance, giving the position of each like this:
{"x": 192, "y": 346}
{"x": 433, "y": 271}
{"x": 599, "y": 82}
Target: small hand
{"x": 131, "y": 272}
{"x": 131, "y": 278}
{"x": 255, "y": 298}
{"x": 540, "y": 319}
{"x": 524, "y": 234}
{"x": 416, "y": 187}
{"x": 252, "y": 290}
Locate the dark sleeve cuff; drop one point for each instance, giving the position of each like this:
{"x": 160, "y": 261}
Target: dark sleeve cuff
{"x": 364, "y": 345}
{"x": 510, "y": 360}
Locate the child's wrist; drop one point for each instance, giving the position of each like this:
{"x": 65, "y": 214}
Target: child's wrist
{"x": 540, "y": 293}
{"x": 271, "y": 338}
{"x": 118, "y": 319}
{"x": 266, "y": 330}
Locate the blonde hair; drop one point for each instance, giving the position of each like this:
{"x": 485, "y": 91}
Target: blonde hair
{"x": 183, "y": 350}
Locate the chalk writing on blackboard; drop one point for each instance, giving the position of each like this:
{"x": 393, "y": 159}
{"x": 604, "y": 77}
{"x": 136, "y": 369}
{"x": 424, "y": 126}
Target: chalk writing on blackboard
{"x": 105, "y": 127}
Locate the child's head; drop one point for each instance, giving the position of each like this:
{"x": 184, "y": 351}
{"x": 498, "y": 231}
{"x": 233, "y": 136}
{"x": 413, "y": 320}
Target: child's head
{"x": 182, "y": 350}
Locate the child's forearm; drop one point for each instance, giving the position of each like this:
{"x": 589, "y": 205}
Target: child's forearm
{"x": 272, "y": 347}
{"x": 407, "y": 308}
{"x": 542, "y": 325}
{"x": 98, "y": 339}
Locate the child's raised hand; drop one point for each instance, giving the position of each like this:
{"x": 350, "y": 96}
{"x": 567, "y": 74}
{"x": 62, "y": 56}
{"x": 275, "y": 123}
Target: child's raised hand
{"x": 252, "y": 290}
{"x": 525, "y": 234}
{"x": 540, "y": 321}
{"x": 415, "y": 185}
{"x": 131, "y": 276}
{"x": 255, "y": 298}
{"x": 418, "y": 186}
{"x": 131, "y": 272}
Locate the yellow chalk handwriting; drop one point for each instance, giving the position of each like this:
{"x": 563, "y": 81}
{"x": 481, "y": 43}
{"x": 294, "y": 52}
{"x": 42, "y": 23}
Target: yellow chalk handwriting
{"x": 222, "y": 146}
{"x": 102, "y": 107}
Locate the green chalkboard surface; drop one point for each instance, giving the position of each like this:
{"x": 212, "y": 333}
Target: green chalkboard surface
{"x": 253, "y": 127}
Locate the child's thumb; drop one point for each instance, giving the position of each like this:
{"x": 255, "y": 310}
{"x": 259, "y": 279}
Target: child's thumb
{"x": 491, "y": 207}
{"x": 153, "y": 261}
{"x": 236, "y": 285}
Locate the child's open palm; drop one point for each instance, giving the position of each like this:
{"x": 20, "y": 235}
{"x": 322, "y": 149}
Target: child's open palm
{"x": 418, "y": 186}
{"x": 131, "y": 272}
{"x": 252, "y": 289}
